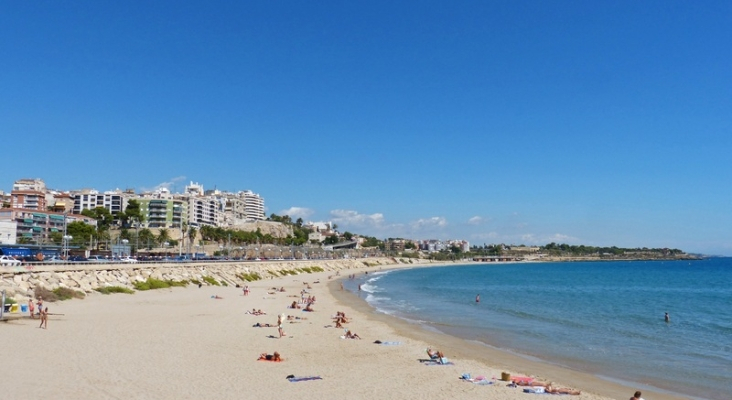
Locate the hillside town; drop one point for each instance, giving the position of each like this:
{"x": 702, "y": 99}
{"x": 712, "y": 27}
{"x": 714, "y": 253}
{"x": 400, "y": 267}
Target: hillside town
{"x": 194, "y": 223}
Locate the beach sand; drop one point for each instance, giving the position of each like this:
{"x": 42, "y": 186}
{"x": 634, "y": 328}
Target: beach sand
{"x": 181, "y": 343}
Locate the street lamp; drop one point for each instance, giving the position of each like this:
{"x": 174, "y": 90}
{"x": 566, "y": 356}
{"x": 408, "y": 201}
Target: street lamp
{"x": 66, "y": 239}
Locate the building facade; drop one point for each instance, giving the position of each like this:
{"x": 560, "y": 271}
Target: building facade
{"x": 33, "y": 226}
{"x": 115, "y": 202}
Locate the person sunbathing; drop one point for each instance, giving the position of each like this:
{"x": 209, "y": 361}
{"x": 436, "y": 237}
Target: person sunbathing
{"x": 433, "y": 354}
{"x": 351, "y": 335}
{"x": 553, "y": 390}
{"x": 294, "y": 305}
{"x": 270, "y": 357}
{"x": 258, "y": 325}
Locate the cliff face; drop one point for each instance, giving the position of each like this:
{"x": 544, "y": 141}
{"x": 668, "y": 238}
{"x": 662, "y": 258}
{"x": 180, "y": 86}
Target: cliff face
{"x": 20, "y": 282}
{"x": 275, "y": 229}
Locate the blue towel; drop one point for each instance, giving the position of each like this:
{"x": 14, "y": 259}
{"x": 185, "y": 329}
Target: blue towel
{"x": 390, "y": 343}
{"x": 303, "y": 378}
{"x": 439, "y": 363}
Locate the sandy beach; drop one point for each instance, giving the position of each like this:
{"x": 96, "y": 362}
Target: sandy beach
{"x": 183, "y": 343}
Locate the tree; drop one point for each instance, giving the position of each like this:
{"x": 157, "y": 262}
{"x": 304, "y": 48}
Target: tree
{"x": 81, "y": 233}
{"x": 163, "y": 236}
{"x": 347, "y": 235}
{"x": 56, "y": 237}
{"x": 332, "y": 239}
{"x": 147, "y": 238}
{"x": 102, "y": 215}
{"x": 133, "y": 213}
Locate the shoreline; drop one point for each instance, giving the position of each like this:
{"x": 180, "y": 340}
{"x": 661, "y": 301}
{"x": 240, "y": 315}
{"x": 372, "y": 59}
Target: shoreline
{"x": 192, "y": 343}
{"x": 495, "y": 358}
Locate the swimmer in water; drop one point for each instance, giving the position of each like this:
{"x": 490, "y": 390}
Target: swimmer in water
{"x": 667, "y": 318}
{"x": 477, "y": 299}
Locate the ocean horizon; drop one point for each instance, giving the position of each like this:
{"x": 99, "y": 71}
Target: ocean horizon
{"x": 605, "y": 318}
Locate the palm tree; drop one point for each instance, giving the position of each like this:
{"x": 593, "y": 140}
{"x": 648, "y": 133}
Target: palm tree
{"x": 163, "y": 236}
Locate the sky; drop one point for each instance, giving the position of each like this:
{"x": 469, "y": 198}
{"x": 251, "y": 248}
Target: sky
{"x": 516, "y": 122}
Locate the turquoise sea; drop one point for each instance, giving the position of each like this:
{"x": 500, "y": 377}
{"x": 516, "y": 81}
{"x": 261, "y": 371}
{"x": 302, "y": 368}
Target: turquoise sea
{"x": 606, "y": 318}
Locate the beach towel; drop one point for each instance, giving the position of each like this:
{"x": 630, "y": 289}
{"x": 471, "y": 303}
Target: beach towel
{"x": 436, "y": 362}
{"x": 537, "y": 389}
{"x": 522, "y": 379}
{"x": 390, "y": 343}
{"x": 303, "y": 378}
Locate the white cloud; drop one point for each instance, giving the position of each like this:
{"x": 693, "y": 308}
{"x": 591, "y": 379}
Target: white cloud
{"x": 429, "y": 223}
{"x": 167, "y": 185}
{"x": 350, "y": 218}
{"x": 476, "y": 220}
{"x": 297, "y": 212}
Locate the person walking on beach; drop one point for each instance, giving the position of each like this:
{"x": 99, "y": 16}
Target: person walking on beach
{"x": 667, "y": 318}
{"x": 44, "y": 318}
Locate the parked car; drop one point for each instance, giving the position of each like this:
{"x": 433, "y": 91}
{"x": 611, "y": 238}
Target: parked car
{"x": 54, "y": 259}
{"x": 8, "y": 261}
{"x": 128, "y": 260}
{"x": 78, "y": 259}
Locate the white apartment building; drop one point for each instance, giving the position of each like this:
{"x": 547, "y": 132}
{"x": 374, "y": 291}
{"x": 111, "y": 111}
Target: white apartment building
{"x": 34, "y": 185}
{"x": 207, "y": 210}
{"x": 8, "y": 232}
{"x": 115, "y": 202}
{"x": 253, "y": 205}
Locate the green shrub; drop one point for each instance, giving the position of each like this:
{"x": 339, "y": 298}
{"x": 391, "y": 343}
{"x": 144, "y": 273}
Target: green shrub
{"x": 46, "y": 294}
{"x": 173, "y": 283}
{"x": 114, "y": 289}
{"x": 9, "y": 300}
{"x": 273, "y": 273}
{"x": 68, "y": 294}
{"x": 211, "y": 281}
{"x": 223, "y": 283}
{"x": 249, "y": 277}
{"x": 317, "y": 269}
{"x": 151, "y": 283}
{"x": 195, "y": 281}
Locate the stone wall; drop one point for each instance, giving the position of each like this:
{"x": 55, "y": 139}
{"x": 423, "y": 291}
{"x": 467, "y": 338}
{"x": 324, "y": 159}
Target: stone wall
{"x": 20, "y": 282}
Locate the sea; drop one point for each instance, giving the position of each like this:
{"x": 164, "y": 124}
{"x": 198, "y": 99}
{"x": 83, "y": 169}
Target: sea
{"x": 605, "y": 318}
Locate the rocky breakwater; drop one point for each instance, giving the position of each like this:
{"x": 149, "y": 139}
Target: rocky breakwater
{"x": 19, "y": 282}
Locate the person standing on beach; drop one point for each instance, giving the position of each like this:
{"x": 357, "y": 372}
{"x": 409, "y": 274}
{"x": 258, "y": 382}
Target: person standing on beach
{"x": 31, "y": 307}
{"x": 637, "y": 396}
{"x": 667, "y": 318}
{"x": 281, "y": 320}
{"x": 40, "y": 304}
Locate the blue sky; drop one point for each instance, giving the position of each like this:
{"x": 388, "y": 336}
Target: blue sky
{"x": 517, "y": 122}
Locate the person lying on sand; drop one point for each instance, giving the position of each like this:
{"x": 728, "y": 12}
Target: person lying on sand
{"x": 217, "y": 297}
{"x": 291, "y": 317}
{"x": 548, "y": 387}
{"x": 258, "y": 325}
{"x": 270, "y": 357}
{"x": 351, "y": 335}
{"x": 294, "y": 305}
{"x": 553, "y": 390}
